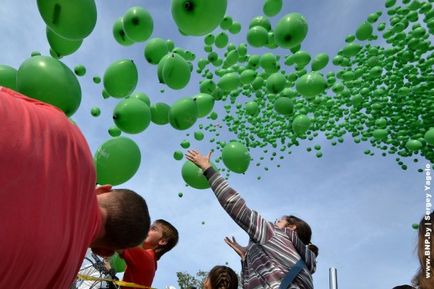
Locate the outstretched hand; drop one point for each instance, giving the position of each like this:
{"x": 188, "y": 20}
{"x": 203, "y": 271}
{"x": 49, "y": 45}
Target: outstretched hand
{"x": 198, "y": 159}
{"x": 240, "y": 250}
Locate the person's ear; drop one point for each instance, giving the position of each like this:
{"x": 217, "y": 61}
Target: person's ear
{"x": 292, "y": 227}
{"x": 103, "y": 189}
{"x": 162, "y": 242}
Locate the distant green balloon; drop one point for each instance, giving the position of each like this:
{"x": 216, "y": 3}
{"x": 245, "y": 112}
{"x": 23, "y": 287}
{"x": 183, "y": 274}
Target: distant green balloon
{"x": 155, "y": 49}
{"x": 252, "y": 108}
{"x": 185, "y": 144}
{"x": 69, "y": 19}
{"x": 96, "y": 79}
{"x": 183, "y": 113}
{"x": 364, "y": 31}
{"x": 193, "y": 176}
{"x": 276, "y": 82}
{"x": 229, "y": 81}
{"x": 221, "y": 40}
{"x": 257, "y": 36}
{"x": 380, "y": 134}
{"x": 8, "y": 77}
{"x": 80, "y": 70}
{"x": 198, "y": 17}
{"x": 272, "y": 7}
{"x": 114, "y": 131}
{"x": 235, "y": 27}
{"x": 119, "y": 33}
{"x": 226, "y": 23}
{"x": 284, "y": 105}
{"x": 300, "y": 124}
{"x": 95, "y": 111}
{"x": 141, "y": 96}
{"x": 160, "y": 113}
{"x": 180, "y": 195}
{"x": 117, "y": 263}
{"x": 415, "y": 226}
{"x": 310, "y": 84}
{"x": 429, "y": 136}
{"x": 176, "y": 71}
{"x": 291, "y": 30}
{"x": 413, "y": 145}
{"x": 49, "y": 80}
{"x": 178, "y": 155}
{"x": 120, "y": 78}
{"x": 60, "y": 45}
{"x": 320, "y": 61}
{"x": 236, "y": 157}
{"x": 116, "y": 161}
{"x": 138, "y": 24}
{"x": 205, "y": 104}
{"x": 132, "y": 115}
{"x": 198, "y": 135}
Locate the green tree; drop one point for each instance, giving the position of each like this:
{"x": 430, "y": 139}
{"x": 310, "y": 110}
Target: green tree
{"x": 187, "y": 281}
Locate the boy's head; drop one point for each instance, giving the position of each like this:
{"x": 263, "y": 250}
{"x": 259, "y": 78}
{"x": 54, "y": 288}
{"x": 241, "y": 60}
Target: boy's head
{"x": 162, "y": 237}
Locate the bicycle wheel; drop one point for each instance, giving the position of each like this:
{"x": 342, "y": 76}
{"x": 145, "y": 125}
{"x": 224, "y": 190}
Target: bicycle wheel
{"x": 89, "y": 268}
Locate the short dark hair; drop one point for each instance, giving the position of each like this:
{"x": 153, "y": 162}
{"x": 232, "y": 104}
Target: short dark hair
{"x": 403, "y": 287}
{"x": 127, "y": 221}
{"x": 223, "y": 277}
{"x": 170, "y": 234}
{"x": 304, "y": 232}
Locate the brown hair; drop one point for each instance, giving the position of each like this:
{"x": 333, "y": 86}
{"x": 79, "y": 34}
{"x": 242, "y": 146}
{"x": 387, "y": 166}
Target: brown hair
{"x": 304, "y": 232}
{"x": 222, "y": 277}
{"x": 127, "y": 221}
{"x": 426, "y": 228}
{"x": 170, "y": 234}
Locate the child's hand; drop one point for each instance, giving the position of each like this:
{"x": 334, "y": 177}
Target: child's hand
{"x": 240, "y": 250}
{"x": 199, "y": 160}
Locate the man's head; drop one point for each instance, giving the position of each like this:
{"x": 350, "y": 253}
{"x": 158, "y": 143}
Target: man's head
{"x": 125, "y": 220}
{"x": 162, "y": 237}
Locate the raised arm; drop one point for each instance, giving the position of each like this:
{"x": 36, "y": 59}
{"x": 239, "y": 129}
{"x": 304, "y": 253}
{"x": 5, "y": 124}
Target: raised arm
{"x": 305, "y": 253}
{"x": 259, "y": 229}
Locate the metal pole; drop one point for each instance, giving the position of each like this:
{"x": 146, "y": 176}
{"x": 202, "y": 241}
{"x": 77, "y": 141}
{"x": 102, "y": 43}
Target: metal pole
{"x": 333, "y": 278}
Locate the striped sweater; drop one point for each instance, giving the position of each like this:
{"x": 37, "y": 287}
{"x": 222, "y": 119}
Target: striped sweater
{"x": 271, "y": 251}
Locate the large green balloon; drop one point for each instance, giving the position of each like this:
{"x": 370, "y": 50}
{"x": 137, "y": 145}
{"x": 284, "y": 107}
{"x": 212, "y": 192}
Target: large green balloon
{"x": 117, "y": 263}
{"x": 51, "y": 81}
{"x": 364, "y": 31}
{"x": 198, "y": 17}
{"x": 310, "y": 84}
{"x": 138, "y": 24}
{"x": 8, "y": 77}
{"x": 236, "y": 157}
{"x": 205, "y": 104}
{"x": 284, "y": 105}
{"x": 141, "y": 96}
{"x": 229, "y": 81}
{"x": 413, "y": 145}
{"x": 257, "y": 36}
{"x": 260, "y": 21}
{"x": 320, "y": 61}
{"x": 60, "y": 45}
{"x": 291, "y": 30}
{"x": 116, "y": 161}
{"x": 160, "y": 113}
{"x": 276, "y": 82}
{"x": 252, "y": 108}
{"x": 70, "y": 19}
{"x": 429, "y": 136}
{"x": 132, "y": 115}
{"x": 120, "y": 78}
{"x": 183, "y": 113}
{"x": 300, "y": 124}
{"x": 119, "y": 33}
{"x": 155, "y": 49}
{"x": 193, "y": 176}
{"x": 176, "y": 71}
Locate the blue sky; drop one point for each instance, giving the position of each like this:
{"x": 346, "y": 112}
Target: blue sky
{"x": 360, "y": 207}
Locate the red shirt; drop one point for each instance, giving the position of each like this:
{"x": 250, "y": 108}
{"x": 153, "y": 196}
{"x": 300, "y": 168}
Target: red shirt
{"x": 48, "y": 209}
{"x": 141, "y": 266}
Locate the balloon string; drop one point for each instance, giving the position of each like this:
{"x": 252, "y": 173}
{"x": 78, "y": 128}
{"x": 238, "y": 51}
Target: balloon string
{"x": 117, "y": 282}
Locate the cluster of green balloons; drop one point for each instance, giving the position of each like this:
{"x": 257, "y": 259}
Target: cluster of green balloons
{"x": 136, "y": 25}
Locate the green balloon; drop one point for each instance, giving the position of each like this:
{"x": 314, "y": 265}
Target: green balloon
{"x": 185, "y": 144}
{"x": 117, "y": 263}
{"x": 60, "y": 45}
{"x": 119, "y": 33}
{"x": 300, "y": 58}
{"x": 183, "y": 113}
{"x": 247, "y": 76}
{"x": 138, "y": 24}
{"x": 235, "y": 27}
{"x": 132, "y": 115}
{"x": 161, "y": 66}
{"x": 69, "y": 19}
{"x": 252, "y": 108}
{"x": 291, "y": 30}
{"x": 96, "y": 79}
{"x": 364, "y": 31}
{"x": 198, "y": 17}
{"x": 276, "y": 82}
{"x": 300, "y": 124}
{"x": 351, "y": 49}
{"x": 205, "y": 104}
{"x": 160, "y": 113}
{"x": 95, "y": 111}
{"x": 236, "y": 157}
{"x": 380, "y": 134}
{"x": 268, "y": 62}
{"x": 413, "y": 145}
{"x": 272, "y": 7}
{"x": 310, "y": 84}
{"x": 260, "y": 21}
{"x": 80, "y": 70}
{"x": 198, "y": 135}
{"x": 229, "y": 81}
{"x": 221, "y": 40}
{"x": 120, "y": 78}
{"x": 284, "y": 105}
{"x": 429, "y": 136}
{"x": 257, "y": 36}
{"x": 176, "y": 71}
{"x": 141, "y": 96}
{"x": 320, "y": 61}
{"x": 8, "y": 77}
{"x": 226, "y": 23}
{"x": 178, "y": 155}
{"x": 116, "y": 161}
{"x": 155, "y": 50}
{"x": 193, "y": 176}
{"x": 49, "y": 80}
{"x": 114, "y": 131}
